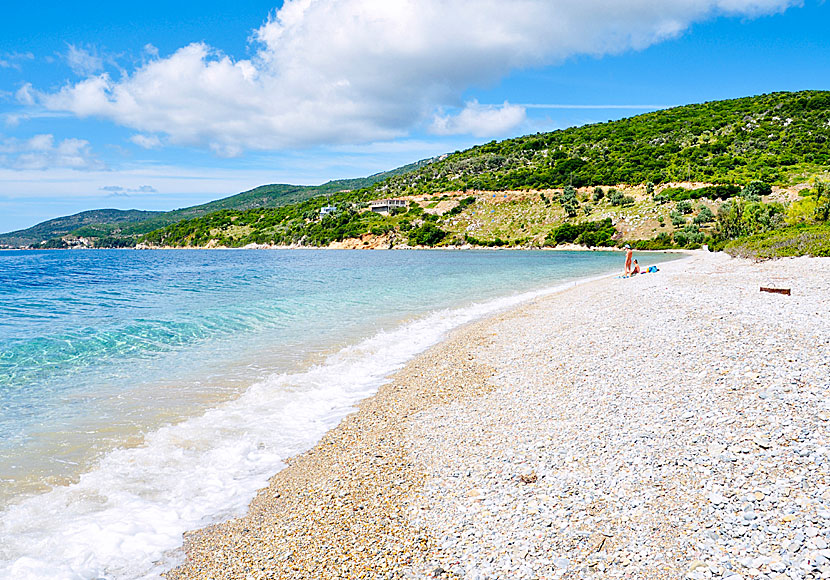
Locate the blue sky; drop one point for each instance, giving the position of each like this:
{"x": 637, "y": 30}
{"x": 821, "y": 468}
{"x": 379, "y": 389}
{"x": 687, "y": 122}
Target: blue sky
{"x": 164, "y": 105}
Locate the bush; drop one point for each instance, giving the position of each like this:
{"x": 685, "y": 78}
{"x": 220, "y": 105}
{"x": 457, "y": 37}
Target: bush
{"x": 462, "y": 205}
{"x": 710, "y": 192}
{"x": 569, "y": 202}
{"x": 704, "y": 216}
{"x": 427, "y": 234}
{"x": 740, "y": 217}
{"x": 662, "y": 241}
{"x": 615, "y": 197}
{"x": 677, "y": 219}
{"x": 755, "y": 190}
{"x": 802, "y": 240}
{"x": 598, "y": 194}
{"x": 684, "y": 206}
{"x": 599, "y": 233}
{"x": 690, "y": 236}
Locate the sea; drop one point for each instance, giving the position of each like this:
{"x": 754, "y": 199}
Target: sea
{"x": 147, "y": 393}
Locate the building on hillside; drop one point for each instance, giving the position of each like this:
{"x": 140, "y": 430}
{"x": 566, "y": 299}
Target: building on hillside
{"x": 327, "y": 209}
{"x": 386, "y": 205}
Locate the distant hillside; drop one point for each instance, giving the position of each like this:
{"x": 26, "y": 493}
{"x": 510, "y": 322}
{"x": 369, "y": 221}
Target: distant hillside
{"x": 113, "y": 218}
{"x": 116, "y": 227}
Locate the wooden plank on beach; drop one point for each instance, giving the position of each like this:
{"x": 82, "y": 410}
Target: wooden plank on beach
{"x": 776, "y": 290}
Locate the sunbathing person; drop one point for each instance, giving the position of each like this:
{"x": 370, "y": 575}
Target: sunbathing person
{"x": 635, "y": 269}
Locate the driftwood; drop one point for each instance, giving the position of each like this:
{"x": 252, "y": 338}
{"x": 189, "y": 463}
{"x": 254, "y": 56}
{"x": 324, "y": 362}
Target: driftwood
{"x": 785, "y": 291}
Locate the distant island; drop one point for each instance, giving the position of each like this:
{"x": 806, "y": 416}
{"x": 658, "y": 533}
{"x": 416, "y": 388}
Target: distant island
{"x": 747, "y": 175}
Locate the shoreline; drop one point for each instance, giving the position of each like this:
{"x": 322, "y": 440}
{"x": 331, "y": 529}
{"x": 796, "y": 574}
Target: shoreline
{"x": 497, "y": 423}
{"x": 559, "y": 248}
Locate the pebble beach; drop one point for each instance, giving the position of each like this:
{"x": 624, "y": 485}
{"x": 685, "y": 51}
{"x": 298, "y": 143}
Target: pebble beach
{"x": 670, "y": 425}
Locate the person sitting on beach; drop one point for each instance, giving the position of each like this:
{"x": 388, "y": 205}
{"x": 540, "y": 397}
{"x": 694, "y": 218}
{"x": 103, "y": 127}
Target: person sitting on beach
{"x": 636, "y": 268}
{"x": 628, "y": 254}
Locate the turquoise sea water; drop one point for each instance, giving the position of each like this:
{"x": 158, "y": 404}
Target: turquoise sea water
{"x": 144, "y": 393}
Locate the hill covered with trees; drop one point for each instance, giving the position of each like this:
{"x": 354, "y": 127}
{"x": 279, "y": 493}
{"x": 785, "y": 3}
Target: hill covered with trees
{"x": 681, "y": 177}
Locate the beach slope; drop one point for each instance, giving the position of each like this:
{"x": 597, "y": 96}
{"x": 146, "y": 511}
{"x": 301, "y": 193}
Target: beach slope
{"x": 664, "y": 426}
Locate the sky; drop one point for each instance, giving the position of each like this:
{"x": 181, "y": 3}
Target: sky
{"x": 159, "y": 105}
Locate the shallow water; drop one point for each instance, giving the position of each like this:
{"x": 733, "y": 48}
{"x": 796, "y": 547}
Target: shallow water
{"x": 146, "y": 393}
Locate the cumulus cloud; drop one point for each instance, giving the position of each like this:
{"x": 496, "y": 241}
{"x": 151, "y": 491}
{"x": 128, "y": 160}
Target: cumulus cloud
{"x": 42, "y": 152}
{"x": 357, "y": 71}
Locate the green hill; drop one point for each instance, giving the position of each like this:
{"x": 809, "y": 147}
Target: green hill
{"x": 111, "y": 227}
{"x": 677, "y": 178}
{"x": 107, "y": 220}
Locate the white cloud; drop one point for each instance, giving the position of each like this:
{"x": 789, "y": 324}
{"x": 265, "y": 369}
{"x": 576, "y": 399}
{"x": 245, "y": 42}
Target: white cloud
{"x": 41, "y": 152}
{"x": 480, "y": 120}
{"x": 26, "y": 95}
{"x": 146, "y": 141}
{"x": 119, "y": 190}
{"x": 357, "y": 71}
{"x": 82, "y": 61}
{"x": 13, "y": 59}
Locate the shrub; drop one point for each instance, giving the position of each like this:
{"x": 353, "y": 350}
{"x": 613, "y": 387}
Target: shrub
{"x": 755, "y": 190}
{"x": 615, "y": 197}
{"x": 427, "y": 234}
{"x": 710, "y": 192}
{"x": 462, "y": 205}
{"x": 801, "y": 240}
{"x": 677, "y": 219}
{"x": 569, "y": 202}
{"x": 598, "y": 233}
{"x": 661, "y": 241}
{"x": 704, "y": 216}
{"x": 689, "y": 236}
{"x": 684, "y": 206}
{"x": 598, "y": 194}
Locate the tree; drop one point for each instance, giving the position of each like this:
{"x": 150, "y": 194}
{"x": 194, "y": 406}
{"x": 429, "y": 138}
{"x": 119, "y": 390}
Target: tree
{"x": 704, "y": 216}
{"x": 755, "y": 190}
{"x": 569, "y": 201}
{"x": 427, "y": 234}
